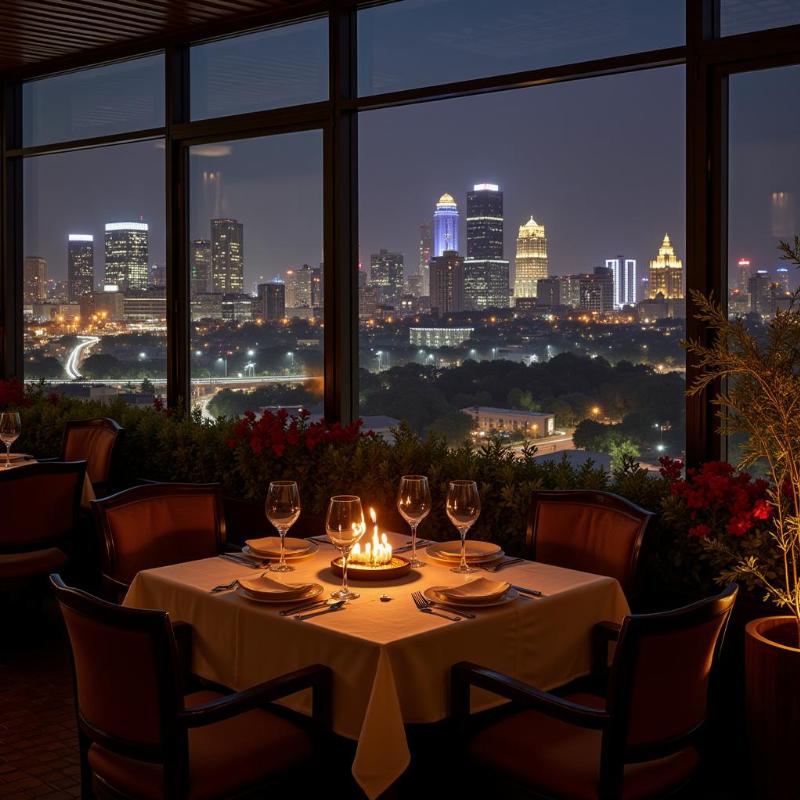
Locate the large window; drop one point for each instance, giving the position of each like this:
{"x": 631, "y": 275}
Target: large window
{"x": 424, "y": 42}
{"x": 255, "y": 254}
{"x": 742, "y": 16}
{"x": 94, "y": 269}
{"x": 522, "y": 264}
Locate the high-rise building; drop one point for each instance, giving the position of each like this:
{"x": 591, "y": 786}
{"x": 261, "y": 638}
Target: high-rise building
{"x": 782, "y": 279}
{"x": 486, "y": 283}
{"x": 299, "y": 284}
{"x": 447, "y": 282}
{"x": 158, "y": 276}
{"x": 548, "y": 291}
{"x": 743, "y": 273}
{"x": 445, "y": 225}
{"x": 570, "y": 290}
{"x": 34, "y": 280}
{"x": 80, "y": 266}
{"x": 200, "y": 267}
{"x": 227, "y": 256}
{"x": 623, "y": 271}
{"x": 762, "y": 297}
{"x": 597, "y": 291}
{"x": 531, "y": 260}
{"x": 665, "y": 276}
{"x": 424, "y": 262}
{"x": 486, "y": 272}
{"x": 386, "y": 272}
{"x": 317, "y": 287}
{"x": 127, "y": 249}
{"x": 272, "y": 299}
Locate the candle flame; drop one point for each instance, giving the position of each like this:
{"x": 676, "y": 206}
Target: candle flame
{"x": 372, "y": 515}
{"x": 376, "y": 553}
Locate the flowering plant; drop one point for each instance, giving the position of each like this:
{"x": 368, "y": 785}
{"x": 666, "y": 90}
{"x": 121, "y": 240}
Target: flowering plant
{"x": 13, "y": 395}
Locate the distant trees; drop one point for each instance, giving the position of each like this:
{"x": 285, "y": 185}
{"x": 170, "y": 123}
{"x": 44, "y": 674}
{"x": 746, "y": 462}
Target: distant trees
{"x": 230, "y": 403}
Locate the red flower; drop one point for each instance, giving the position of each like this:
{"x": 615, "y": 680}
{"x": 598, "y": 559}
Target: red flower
{"x": 762, "y": 509}
{"x": 670, "y": 468}
{"x": 739, "y": 526}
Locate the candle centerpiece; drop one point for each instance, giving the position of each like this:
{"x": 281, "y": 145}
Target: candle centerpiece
{"x": 375, "y": 560}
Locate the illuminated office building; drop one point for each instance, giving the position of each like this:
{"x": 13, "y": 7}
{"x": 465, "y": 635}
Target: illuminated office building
{"x": 272, "y": 299}
{"x": 80, "y": 266}
{"x": 623, "y": 271}
{"x": 665, "y": 276}
{"x": 531, "y": 260}
{"x": 743, "y": 273}
{"x": 486, "y": 272}
{"x": 445, "y": 226}
{"x": 447, "y": 283}
{"x": 127, "y": 247}
{"x": 34, "y": 280}
{"x": 227, "y": 256}
{"x": 424, "y": 261}
{"x": 782, "y": 279}
{"x": 200, "y": 266}
{"x": 386, "y": 273}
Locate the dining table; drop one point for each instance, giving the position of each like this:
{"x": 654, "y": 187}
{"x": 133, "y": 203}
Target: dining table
{"x": 390, "y": 662}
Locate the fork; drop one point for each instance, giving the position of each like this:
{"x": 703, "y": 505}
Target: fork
{"x": 502, "y": 564}
{"x": 427, "y": 607}
{"x": 224, "y": 587}
{"x": 244, "y": 560}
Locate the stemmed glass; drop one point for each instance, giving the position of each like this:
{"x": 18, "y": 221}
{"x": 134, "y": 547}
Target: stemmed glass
{"x": 282, "y": 507}
{"x": 345, "y": 526}
{"x": 10, "y": 429}
{"x": 463, "y": 509}
{"x": 414, "y": 504}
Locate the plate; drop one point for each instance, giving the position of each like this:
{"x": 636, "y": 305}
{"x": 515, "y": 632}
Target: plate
{"x": 476, "y": 549}
{"x": 433, "y": 594}
{"x": 247, "y": 550}
{"x": 270, "y": 546}
{"x": 315, "y": 590}
{"x": 448, "y": 559}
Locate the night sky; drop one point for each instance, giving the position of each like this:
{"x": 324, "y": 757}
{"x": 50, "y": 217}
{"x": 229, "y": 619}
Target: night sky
{"x": 599, "y": 162}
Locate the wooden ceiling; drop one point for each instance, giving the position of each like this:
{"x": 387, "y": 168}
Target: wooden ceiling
{"x": 35, "y": 33}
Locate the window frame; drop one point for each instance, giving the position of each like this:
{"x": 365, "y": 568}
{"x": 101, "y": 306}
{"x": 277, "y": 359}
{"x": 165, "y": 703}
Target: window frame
{"x": 709, "y": 61}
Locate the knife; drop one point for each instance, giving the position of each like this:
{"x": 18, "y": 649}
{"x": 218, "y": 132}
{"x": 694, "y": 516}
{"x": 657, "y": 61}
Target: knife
{"x": 524, "y": 590}
{"x": 335, "y": 607}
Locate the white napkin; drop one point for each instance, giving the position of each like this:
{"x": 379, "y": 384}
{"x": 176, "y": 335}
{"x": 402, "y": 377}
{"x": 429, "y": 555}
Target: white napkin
{"x": 478, "y": 589}
{"x": 271, "y": 546}
{"x": 265, "y": 586}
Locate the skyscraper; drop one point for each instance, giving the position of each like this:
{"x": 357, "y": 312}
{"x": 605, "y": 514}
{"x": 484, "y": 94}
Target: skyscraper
{"x": 227, "y": 256}
{"x": 80, "y": 266}
{"x": 743, "y": 273}
{"x": 272, "y": 299}
{"x": 445, "y": 225}
{"x": 299, "y": 283}
{"x": 782, "y": 279}
{"x": 762, "y": 298}
{"x": 127, "y": 249}
{"x": 447, "y": 282}
{"x": 486, "y": 272}
{"x": 425, "y": 253}
{"x": 531, "y": 262}
{"x": 624, "y": 273}
{"x": 387, "y": 274}
{"x": 597, "y": 291}
{"x": 200, "y": 267}
{"x": 34, "y": 280}
{"x": 665, "y": 276}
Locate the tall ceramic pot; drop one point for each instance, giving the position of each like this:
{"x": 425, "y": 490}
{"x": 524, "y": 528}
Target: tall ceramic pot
{"x": 772, "y": 667}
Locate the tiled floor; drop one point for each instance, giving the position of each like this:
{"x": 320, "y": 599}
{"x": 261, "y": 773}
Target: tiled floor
{"x": 38, "y": 743}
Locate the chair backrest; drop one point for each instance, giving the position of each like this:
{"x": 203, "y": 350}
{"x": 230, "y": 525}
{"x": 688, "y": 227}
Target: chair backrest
{"x": 590, "y": 531}
{"x": 659, "y": 681}
{"x": 39, "y": 504}
{"x": 127, "y": 679}
{"x": 91, "y": 440}
{"x": 158, "y": 524}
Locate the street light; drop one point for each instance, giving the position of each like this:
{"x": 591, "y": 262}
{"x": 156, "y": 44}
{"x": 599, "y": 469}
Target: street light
{"x": 223, "y": 360}
{"x": 379, "y": 355}
{"x": 290, "y": 355}
{"x": 595, "y": 410}
{"x": 250, "y": 369}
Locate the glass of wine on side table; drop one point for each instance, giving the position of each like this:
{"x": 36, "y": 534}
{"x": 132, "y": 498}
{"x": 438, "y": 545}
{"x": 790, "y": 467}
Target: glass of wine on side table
{"x": 463, "y": 509}
{"x": 282, "y": 508}
{"x": 345, "y": 526}
{"x": 414, "y": 504}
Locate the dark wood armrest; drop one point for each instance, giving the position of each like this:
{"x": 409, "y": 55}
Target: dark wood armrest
{"x": 183, "y": 639}
{"x": 465, "y": 675}
{"x": 318, "y": 678}
{"x": 603, "y": 633}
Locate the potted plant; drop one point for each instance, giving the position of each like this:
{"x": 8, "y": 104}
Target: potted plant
{"x": 759, "y": 404}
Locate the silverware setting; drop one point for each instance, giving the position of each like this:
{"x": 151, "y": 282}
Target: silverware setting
{"x": 244, "y": 560}
{"x": 224, "y": 587}
{"x": 525, "y": 590}
{"x": 339, "y": 604}
{"x": 426, "y": 607}
{"x": 407, "y": 547}
{"x": 502, "y": 564}
{"x": 307, "y": 606}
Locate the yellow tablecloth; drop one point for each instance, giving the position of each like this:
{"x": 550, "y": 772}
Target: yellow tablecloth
{"x": 390, "y": 662}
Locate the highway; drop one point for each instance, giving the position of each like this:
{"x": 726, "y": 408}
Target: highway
{"x": 74, "y": 358}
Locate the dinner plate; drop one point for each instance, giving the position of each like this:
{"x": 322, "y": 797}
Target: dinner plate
{"x": 315, "y": 590}
{"x": 450, "y": 561}
{"x": 476, "y": 549}
{"x": 433, "y": 594}
{"x": 247, "y": 550}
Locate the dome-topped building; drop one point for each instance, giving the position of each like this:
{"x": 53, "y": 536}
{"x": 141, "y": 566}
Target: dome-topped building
{"x": 445, "y": 225}
{"x": 531, "y": 261}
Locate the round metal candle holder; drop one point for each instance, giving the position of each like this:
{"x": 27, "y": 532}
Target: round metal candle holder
{"x": 396, "y": 568}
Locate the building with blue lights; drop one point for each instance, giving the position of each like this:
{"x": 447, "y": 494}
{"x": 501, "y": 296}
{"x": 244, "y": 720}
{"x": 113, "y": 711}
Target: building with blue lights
{"x": 445, "y": 225}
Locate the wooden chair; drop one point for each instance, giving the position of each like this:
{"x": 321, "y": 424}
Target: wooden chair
{"x": 93, "y": 441}
{"x": 590, "y": 531}
{"x": 639, "y": 742}
{"x": 141, "y": 737}
{"x": 155, "y": 525}
{"x": 39, "y": 510}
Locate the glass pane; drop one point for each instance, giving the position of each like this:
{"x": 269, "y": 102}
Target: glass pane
{"x": 743, "y": 16}
{"x": 256, "y": 273}
{"x": 527, "y": 278}
{"x": 94, "y": 277}
{"x": 114, "y": 98}
{"x": 425, "y": 42}
{"x": 764, "y": 196}
{"x": 283, "y": 66}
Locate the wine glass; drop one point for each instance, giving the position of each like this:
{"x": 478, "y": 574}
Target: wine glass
{"x": 345, "y": 526}
{"x": 282, "y": 507}
{"x": 10, "y": 429}
{"x": 463, "y": 509}
{"x": 414, "y": 504}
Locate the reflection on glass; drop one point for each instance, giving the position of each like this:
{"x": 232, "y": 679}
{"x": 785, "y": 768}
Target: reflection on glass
{"x": 523, "y": 273}
{"x": 453, "y": 40}
{"x": 256, "y": 274}
{"x": 281, "y": 66}
{"x": 743, "y": 16}
{"x": 94, "y": 271}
